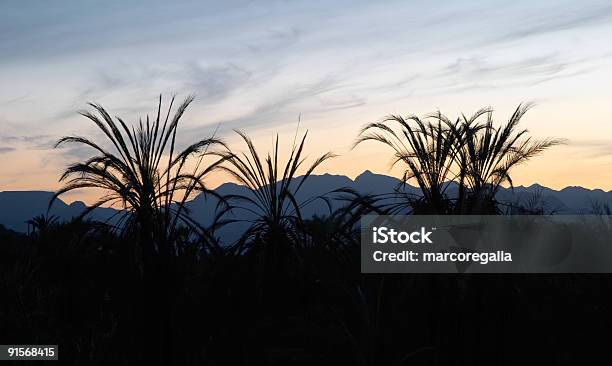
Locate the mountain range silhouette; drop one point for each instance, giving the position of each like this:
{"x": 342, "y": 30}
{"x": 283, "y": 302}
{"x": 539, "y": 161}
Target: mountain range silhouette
{"x": 17, "y": 207}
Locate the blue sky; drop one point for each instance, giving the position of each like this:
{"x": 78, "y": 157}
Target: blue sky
{"x": 258, "y": 65}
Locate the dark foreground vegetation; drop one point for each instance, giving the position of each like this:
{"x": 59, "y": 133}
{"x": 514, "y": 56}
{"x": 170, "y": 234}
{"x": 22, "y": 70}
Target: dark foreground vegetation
{"x": 159, "y": 288}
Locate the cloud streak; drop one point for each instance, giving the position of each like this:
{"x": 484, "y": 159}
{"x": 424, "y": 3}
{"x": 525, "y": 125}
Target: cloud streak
{"x": 565, "y": 17}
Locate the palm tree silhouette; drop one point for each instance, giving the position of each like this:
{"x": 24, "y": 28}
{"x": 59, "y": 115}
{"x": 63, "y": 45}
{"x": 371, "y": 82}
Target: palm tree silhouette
{"x": 143, "y": 173}
{"x": 273, "y": 212}
{"x": 489, "y": 153}
{"x": 427, "y": 147}
{"x": 273, "y": 204}
{"x": 436, "y": 151}
{"x": 41, "y": 223}
{"x": 151, "y": 181}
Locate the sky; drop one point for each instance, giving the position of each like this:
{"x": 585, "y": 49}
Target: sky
{"x": 259, "y": 66}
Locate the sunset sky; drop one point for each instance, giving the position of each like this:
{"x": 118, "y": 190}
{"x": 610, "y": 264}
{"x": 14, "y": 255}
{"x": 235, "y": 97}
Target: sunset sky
{"x": 257, "y": 66}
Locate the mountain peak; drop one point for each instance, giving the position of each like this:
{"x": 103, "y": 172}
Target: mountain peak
{"x": 575, "y": 188}
{"x": 365, "y": 174}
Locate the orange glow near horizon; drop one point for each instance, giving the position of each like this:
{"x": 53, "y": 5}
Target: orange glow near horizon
{"x": 561, "y": 166}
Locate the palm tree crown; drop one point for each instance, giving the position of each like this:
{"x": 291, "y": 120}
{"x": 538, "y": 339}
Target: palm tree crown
{"x": 273, "y": 202}
{"x": 142, "y": 171}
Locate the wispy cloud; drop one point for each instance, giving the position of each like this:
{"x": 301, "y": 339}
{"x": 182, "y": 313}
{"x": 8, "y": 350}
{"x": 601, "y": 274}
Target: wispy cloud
{"x": 35, "y": 142}
{"x": 287, "y": 105}
{"x": 273, "y": 40}
{"x": 592, "y": 148}
{"x": 481, "y": 72}
{"x": 562, "y": 17}
{"x": 210, "y": 82}
{"x": 14, "y": 100}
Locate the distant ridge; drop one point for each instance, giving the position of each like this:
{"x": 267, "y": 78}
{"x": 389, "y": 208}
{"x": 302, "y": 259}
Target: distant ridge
{"x": 16, "y": 207}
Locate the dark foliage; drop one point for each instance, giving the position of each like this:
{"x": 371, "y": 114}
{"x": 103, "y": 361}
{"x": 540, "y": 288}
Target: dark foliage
{"x": 76, "y": 285}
